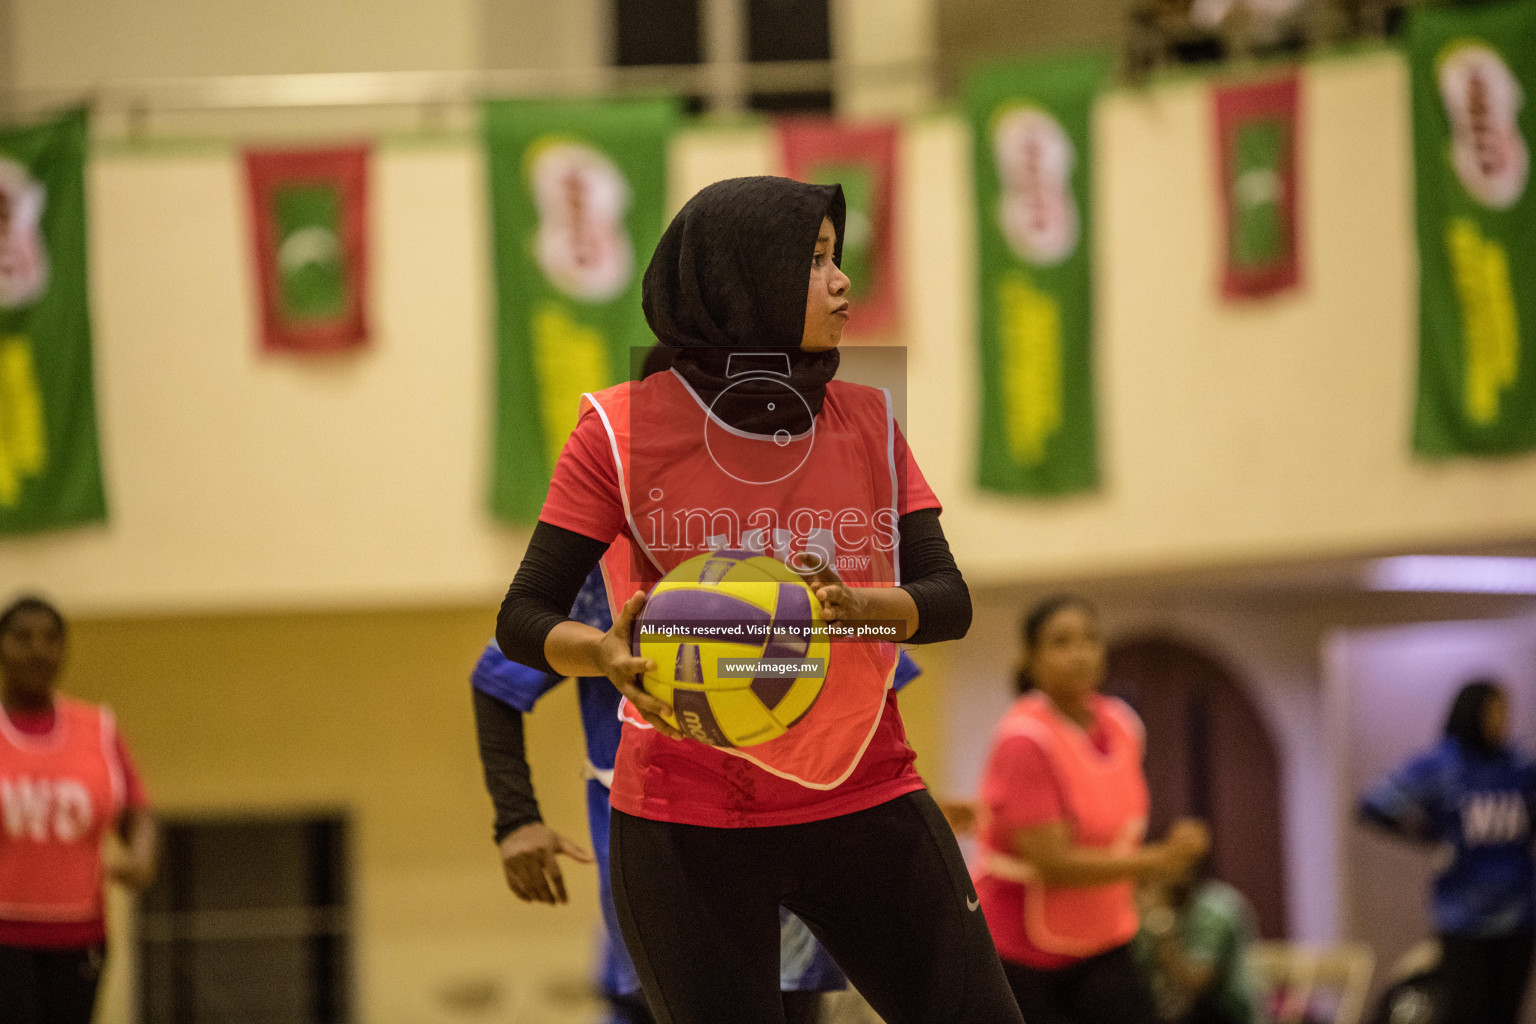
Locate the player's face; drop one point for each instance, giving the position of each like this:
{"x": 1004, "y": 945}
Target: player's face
{"x": 31, "y": 654}
{"x": 1067, "y": 661}
{"x": 826, "y": 302}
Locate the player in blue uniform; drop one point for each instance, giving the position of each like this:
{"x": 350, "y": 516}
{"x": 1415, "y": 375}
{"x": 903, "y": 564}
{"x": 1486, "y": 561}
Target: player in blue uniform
{"x": 504, "y": 691}
{"x": 1472, "y": 795}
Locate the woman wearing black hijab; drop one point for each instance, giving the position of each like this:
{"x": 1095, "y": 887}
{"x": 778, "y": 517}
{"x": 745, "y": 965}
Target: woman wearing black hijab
{"x": 750, "y": 443}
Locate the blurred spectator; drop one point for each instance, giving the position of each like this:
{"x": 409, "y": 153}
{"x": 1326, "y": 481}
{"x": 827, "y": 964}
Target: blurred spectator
{"x": 1470, "y": 795}
{"x": 1063, "y": 808}
{"x": 66, "y": 782}
{"x": 1194, "y": 939}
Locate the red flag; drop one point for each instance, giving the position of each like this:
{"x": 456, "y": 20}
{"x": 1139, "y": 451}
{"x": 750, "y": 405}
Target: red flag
{"x": 309, "y": 228}
{"x": 1257, "y": 140}
{"x": 861, "y": 158}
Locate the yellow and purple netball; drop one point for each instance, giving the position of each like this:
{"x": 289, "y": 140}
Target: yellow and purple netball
{"x": 737, "y": 650}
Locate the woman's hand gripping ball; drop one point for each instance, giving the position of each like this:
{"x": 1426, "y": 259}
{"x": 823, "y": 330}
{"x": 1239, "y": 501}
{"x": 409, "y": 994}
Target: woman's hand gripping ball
{"x": 617, "y": 659}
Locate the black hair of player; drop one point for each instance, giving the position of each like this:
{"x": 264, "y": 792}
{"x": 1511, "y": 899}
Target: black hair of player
{"x": 1033, "y": 624}
{"x": 31, "y": 603}
{"x": 1465, "y": 722}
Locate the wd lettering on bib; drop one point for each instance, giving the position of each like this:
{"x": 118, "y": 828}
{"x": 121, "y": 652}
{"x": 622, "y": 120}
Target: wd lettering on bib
{"x": 46, "y": 809}
{"x": 1490, "y": 819}
{"x": 59, "y": 794}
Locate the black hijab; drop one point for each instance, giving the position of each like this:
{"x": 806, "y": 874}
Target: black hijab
{"x": 730, "y": 276}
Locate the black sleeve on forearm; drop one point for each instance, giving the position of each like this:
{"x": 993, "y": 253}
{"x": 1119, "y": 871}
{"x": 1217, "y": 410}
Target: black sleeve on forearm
{"x": 499, "y": 728}
{"x": 554, "y": 567}
{"x": 929, "y": 574}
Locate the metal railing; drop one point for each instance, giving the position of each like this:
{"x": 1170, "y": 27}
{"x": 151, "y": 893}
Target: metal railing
{"x": 439, "y": 88}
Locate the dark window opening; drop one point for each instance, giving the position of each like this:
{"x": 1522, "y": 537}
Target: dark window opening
{"x": 780, "y": 30}
{"x": 651, "y": 32}
{"x": 656, "y": 32}
{"x": 249, "y": 919}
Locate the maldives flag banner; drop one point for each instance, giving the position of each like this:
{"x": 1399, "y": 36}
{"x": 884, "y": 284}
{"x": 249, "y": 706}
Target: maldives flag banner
{"x": 1473, "y": 75}
{"x": 50, "y": 464}
{"x": 861, "y": 158}
{"x": 1031, "y": 130}
{"x": 1256, "y": 160}
{"x": 309, "y": 229}
{"x": 578, "y": 197}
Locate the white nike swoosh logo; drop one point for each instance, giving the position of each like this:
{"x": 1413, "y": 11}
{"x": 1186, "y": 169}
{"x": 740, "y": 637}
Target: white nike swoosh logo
{"x": 972, "y": 904}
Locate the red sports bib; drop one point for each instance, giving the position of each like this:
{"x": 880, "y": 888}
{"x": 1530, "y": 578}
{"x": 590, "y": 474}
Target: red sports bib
{"x": 692, "y": 484}
{"x": 1106, "y": 803}
{"x": 59, "y": 794}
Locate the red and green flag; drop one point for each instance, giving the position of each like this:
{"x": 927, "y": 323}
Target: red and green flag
{"x": 861, "y": 158}
{"x": 578, "y": 197}
{"x": 50, "y": 466}
{"x": 1256, "y": 159}
{"x": 309, "y": 214}
{"x": 1033, "y": 165}
{"x": 1473, "y": 74}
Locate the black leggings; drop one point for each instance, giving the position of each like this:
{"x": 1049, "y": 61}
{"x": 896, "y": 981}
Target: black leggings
{"x": 884, "y": 890}
{"x": 49, "y": 986}
{"x": 1483, "y": 980}
{"x": 1106, "y": 989}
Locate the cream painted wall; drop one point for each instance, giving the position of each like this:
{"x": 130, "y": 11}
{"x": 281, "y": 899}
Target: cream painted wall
{"x": 79, "y": 43}
{"x": 237, "y": 479}
{"x": 1228, "y": 434}
{"x": 868, "y": 35}
{"x": 541, "y": 34}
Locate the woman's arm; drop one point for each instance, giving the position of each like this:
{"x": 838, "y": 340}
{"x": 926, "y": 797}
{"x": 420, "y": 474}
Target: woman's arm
{"x": 1401, "y": 804}
{"x": 504, "y": 763}
{"x": 931, "y": 579}
{"x": 134, "y": 861}
{"x": 532, "y": 627}
{"x": 932, "y": 603}
{"x": 551, "y": 574}
{"x": 1050, "y": 850}
{"x": 529, "y": 848}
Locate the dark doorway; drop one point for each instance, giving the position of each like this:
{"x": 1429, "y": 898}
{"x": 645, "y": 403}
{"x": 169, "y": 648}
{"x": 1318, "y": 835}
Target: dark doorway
{"x": 1209, "y": 756}
{"x": 248, "y": 920}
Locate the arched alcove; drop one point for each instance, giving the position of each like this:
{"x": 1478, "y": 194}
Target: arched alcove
{"x": 1211, "y": 756}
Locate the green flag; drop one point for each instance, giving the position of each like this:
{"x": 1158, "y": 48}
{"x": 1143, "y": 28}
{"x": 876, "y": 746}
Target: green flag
{"x": 578, "y": 192}
{"x": 1032, "y": 149}
{"x": 314, "y": 288}
{"x": 50, "y": 471}
{"x": 1256, "y": 133}
{"x": 309, "y": 223}
{"x": 1473, "y": 73}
